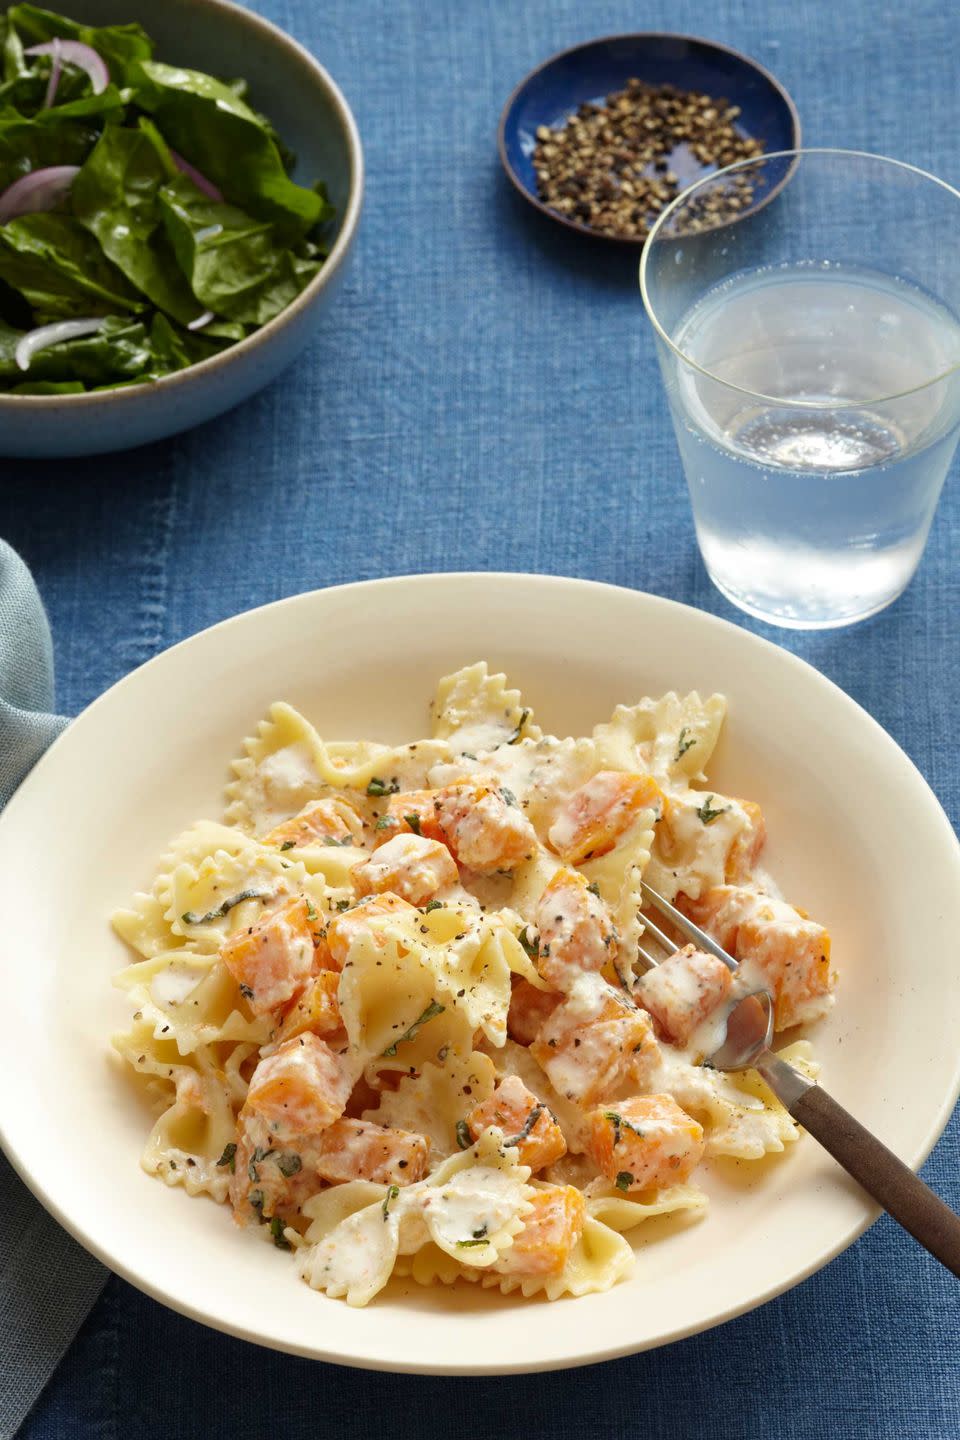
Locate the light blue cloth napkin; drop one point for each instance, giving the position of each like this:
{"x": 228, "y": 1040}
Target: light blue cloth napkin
{"x": 47, "y": 1282}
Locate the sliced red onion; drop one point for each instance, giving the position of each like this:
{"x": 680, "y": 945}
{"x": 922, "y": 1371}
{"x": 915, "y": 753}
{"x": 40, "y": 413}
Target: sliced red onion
{"x": 201, "y": 320}
{"x": 201, "y": 181}
{"x": 46, "y": 335}
{"x": 56, "y": 70}
{"x": 40, "y": 190}
{"x": 76, "y": 53}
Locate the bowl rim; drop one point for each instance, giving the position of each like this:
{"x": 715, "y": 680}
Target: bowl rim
{"x": 265, "y": 31}
{"x": 627, "y": 241}
{"x": 437, "y": 581}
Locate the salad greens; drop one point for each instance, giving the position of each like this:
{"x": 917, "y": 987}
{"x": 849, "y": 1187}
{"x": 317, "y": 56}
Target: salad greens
{"x": 178, "y": 227}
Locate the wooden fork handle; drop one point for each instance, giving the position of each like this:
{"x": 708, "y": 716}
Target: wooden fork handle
{"x": 882, "y": 1175}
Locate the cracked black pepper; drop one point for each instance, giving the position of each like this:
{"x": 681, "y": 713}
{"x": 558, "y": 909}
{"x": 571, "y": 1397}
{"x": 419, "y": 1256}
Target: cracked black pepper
{"x": 611, "y": 165}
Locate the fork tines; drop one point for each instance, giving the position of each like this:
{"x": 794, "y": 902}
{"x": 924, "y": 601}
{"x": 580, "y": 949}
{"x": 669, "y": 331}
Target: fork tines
{"x": 699, "y": 937}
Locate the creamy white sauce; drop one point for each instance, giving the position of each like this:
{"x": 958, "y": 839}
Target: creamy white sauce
{"x": 710, "y": 1034}
{"x": 411, "y": 865}
{"x": 356, "y": 1258}
{"x": 172, "y": 985}
{"x": 540, "y": 773}
{"x": 674, "y": 982}
{"x": 479, "y": 737}
{"x": 287, "y": 775}
{"x": 475, "y": 1204}
{"x": 689, "y": 855}
{"x": 573, "y": 1068}
{"x": 409, "y": 765}
{"x": 601, "y": 797}
{"x": 761, "y": 879}
{"x": 692, "y": 1085}
{"x": 562, "y": 832}
{"x": 478, "y": 1203}
{"x": 586, "y": 997}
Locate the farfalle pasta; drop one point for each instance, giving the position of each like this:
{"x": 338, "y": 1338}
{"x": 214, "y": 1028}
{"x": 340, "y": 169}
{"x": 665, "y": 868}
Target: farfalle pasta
{"x": 393, "y": 1010}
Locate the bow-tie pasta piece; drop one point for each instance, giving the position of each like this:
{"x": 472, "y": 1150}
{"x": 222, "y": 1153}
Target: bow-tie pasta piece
{"x": 472, "y": 1207}
{"x": 435, "y": 1100}
{"x": 475, "y": 711}
{"x": 671, "y": 739}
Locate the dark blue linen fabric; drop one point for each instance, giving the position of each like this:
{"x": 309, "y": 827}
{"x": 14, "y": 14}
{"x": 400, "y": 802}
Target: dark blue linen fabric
{"x": 485, "y": 395}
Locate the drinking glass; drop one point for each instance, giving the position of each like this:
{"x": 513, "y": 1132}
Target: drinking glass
{"x": 810, "y": 350}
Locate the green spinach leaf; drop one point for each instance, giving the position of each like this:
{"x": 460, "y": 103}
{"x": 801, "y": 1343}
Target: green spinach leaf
{"x": 14, "y": 61}
{"x": 210, "y": 125}
{"x": 116, "y": 197}
{"x": 122, "y": 47}
{"x": 235, "y": 265}
{"x": 109, "y": 102}
{"x": 26, "y": 146}
{"x": 26, "y": 91}
{"x": 49, "y": 387}
{"x": 119, "y": 352}
{"x": 60, "y": 270}
{"x": 175, "y": 348}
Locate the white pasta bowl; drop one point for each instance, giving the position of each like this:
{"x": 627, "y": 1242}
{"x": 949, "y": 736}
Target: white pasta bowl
{"x": 846, "y": 811}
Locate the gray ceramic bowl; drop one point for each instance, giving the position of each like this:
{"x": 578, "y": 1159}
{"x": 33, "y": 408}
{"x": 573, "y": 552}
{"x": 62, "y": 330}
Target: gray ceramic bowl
{"x": 313, "y": 117}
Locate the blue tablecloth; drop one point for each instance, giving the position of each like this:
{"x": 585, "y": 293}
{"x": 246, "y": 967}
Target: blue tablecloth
{"x": 485, "y": 395}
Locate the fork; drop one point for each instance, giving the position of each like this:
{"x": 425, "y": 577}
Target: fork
{"x": 746, "y": 1046}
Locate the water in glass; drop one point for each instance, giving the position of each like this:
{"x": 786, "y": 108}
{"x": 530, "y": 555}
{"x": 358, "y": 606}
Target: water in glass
{"x": 815, "y": 514}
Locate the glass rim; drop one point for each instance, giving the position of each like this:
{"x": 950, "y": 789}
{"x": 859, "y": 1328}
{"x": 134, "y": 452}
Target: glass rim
{"x": 793, "y": 155}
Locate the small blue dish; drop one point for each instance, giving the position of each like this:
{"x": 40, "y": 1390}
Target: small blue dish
{"x": 552, "y": 93}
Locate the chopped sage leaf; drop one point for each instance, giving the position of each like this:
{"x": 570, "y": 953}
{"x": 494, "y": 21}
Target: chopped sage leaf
{"x": 382, "y": 787}
{"x": 683, "y": 744}
{"x": 228, "y": 1158}
{"x": 518, "y": 732}
{"x": 392, "y": 1192}
{"x": 531, "y": 947}
{"x": 624, "y": 1180}
{"x": 434, "y": 1008}
{"x": 190, "y": 917}
{"x": 289, "y": 1164}
{"x": 707, "y": 814}
{"x": 528, "y": 1125}
{"x": 276, "y": 1230}
{"x": 619, "y": 1123}
{"x": 626, "y": 986}
{"x": 288, "y": 844}
{"x": 432, "y": 905}
{"x": 414, "y": 822}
